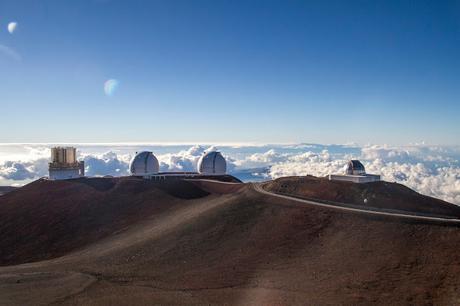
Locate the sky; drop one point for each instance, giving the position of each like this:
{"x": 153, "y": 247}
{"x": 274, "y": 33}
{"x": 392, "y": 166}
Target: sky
{"x": 98, "y": 71}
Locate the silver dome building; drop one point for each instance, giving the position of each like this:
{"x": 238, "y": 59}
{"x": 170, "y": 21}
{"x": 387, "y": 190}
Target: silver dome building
{"x": 356, "y": 173}
{"x": 144, "y": 163}
{"x": 355, "y": 167}
{"x": 212, "y": 163}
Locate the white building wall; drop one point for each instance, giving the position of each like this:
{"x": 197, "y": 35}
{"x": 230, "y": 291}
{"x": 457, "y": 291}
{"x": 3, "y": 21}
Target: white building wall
{"x": 64, "y": 174}
{"x": 367, "y": 178}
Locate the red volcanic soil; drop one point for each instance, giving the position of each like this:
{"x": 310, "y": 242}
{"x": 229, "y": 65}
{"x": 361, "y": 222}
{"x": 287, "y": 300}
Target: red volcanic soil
{"x": 46, "y": 218}
{"x": 135, "y": 242}
{"x": 217, "y": 186}
{"x": 382, "y": 195}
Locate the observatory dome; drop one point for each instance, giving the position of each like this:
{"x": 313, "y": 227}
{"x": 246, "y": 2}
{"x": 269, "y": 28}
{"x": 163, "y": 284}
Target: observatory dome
{"x": 144, "y": 163}
{"x": 212, "y": 163}
{"x": 355, "y": 167}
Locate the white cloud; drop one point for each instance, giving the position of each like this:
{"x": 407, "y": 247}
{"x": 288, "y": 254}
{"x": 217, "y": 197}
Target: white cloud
{"x": 411, "y": 154}
{"x": 318, "y": 164}
{"x": 17, "y": 170}
{"x": 185, "y": 160}
{"x": 106, "y": 164}
{"x": 261, "y": 159}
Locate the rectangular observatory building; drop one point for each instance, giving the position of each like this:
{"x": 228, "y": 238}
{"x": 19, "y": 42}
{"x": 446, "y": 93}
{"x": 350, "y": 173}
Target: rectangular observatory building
{"x": 356, "y": 173}
{"x": 64, "y": 164}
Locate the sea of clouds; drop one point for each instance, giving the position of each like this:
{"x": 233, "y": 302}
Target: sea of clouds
{"x": 430, "y": 170}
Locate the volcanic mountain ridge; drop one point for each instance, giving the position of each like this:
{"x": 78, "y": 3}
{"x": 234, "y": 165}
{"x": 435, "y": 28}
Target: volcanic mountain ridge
{"x": 132, "y": 241}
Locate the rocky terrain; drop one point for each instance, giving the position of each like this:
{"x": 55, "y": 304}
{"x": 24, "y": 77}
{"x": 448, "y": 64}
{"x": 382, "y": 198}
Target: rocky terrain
{"x": 128, "y": 241}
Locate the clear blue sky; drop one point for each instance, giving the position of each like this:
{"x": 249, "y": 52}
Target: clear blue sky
{"x": 231, "y": 71}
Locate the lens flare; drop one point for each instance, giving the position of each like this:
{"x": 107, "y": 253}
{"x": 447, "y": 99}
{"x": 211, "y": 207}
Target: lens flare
{"x": 12, "y": 26}
{"x": 110, "y": 86}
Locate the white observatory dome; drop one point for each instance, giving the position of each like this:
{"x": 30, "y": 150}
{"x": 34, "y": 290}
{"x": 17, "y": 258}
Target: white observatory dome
{"x": 144, "y": 163}
{"x": 212, "y": 163}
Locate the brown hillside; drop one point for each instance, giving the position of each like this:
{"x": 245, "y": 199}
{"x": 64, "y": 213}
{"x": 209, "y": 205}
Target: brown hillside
{"x": 46, "y": 219}
{"x": 382, "y": 194}
{"x": 242, "y": 248}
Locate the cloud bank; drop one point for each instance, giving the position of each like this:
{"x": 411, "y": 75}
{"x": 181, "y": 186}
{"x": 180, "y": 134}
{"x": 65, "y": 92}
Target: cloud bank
{"x": 430, "y": 170}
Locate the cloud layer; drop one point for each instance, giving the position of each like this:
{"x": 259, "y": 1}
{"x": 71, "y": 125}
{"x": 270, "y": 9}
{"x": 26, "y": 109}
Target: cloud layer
{"x": 430, "y": 170}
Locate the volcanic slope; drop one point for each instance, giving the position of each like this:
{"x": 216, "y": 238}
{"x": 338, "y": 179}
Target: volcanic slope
{"x": 380, "y": 195}
{"x": 47, "y": 219}
{"x": 237, "y": 248}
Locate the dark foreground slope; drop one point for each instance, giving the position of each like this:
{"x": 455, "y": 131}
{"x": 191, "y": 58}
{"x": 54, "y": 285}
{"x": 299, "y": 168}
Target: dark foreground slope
{"x": 242, "y": 248}
{"x": 6, "y": 189}
{"x": 382, "y": 194}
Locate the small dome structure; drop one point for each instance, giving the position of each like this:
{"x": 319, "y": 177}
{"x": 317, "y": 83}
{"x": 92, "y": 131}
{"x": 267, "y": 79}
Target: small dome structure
{"x": 144, "y": 163}
{"x": 212, "y": 163}
{"x": 354, "y": 167}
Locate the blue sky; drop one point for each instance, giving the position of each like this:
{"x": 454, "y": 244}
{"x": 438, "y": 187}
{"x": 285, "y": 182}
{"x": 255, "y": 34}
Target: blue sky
{"x": 231, "y": 71}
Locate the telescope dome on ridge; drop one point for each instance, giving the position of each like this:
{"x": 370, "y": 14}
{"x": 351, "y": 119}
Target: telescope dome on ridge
{"x": 355, "y": 167}
{"x": 144, "y": 163}
{"x": 212, "y": 163}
